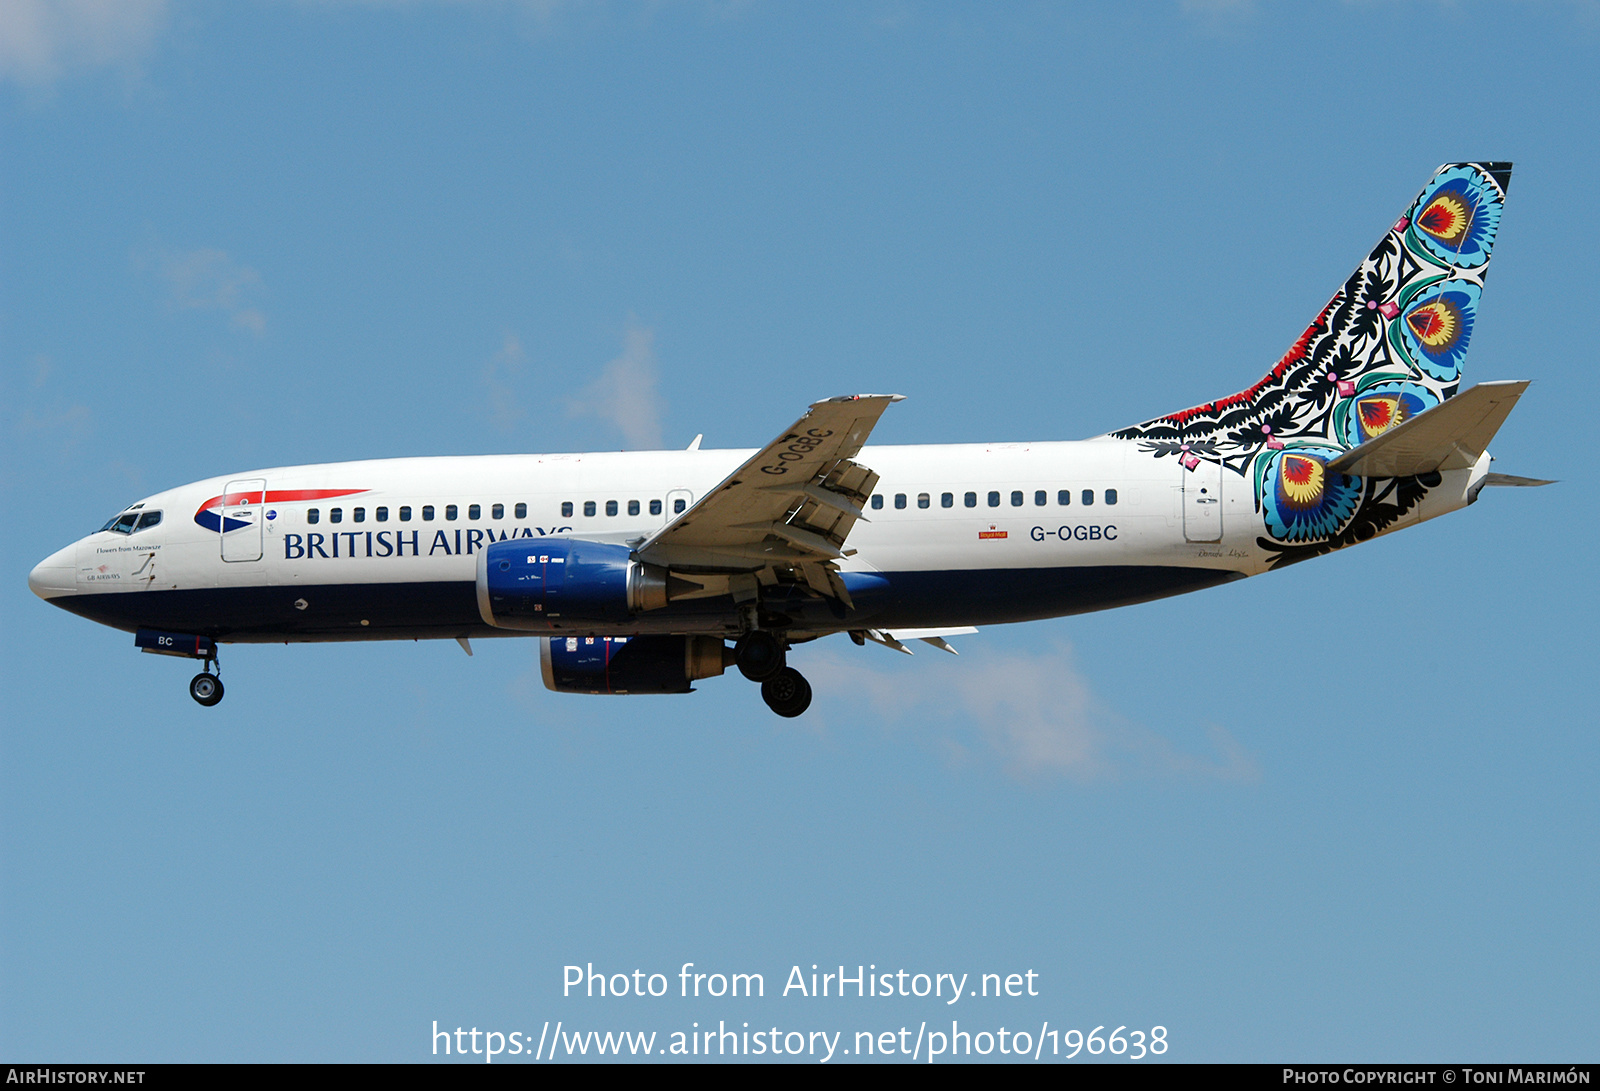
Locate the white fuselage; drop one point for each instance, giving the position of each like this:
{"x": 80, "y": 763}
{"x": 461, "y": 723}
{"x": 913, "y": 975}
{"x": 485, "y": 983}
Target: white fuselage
{"x": 964, "y": 533}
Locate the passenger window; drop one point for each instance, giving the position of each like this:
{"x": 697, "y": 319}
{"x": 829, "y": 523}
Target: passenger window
{"x": 970, "y": 500}
{"x": 566, "y": 509}
{"x": 358, "y": 515}
{"x": 1064, "y": 497}
{"x": 497, "y": 512}
{"x": 451, "y": 511}
{"x": 381, "y": 515}
{"x": 405, "y": 513}
{"x": 474, "y": 511}
{"x": 877, "y": 501}
{"x": 148, "y": 520}
{"x": 1111, "y": 496}
{"x": 1016, "y": 498}
{"x": 994, "y": 500}
{"x": 678, "y": 505}
{"x": 899, "y": 499}
{"x": 633, "y": 507}
{"x": 1041, "y": 498}
{"x": 611, "y": 507}
{"x": 588, "y": 508}
{"x": 947, "y": 500}
{"x": 521, "y": 511}
{"x": 313, "y": 515}
{"x": 922, "y": 499}
{"x": 1088, "y": 497}
{"x": 427, "y": 513}
{"x": 335, "y": 515}
{"x": 655, "y": 507}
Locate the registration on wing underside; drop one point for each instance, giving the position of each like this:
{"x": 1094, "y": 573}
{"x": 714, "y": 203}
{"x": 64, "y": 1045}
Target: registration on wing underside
{"x": 789, "y": 506}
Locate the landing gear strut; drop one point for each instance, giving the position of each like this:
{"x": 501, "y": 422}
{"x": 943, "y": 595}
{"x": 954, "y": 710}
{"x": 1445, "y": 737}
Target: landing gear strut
{"x": 787, "y": 692}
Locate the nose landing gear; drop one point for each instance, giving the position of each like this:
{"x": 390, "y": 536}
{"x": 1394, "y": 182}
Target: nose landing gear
{"x": 206, "y": 687}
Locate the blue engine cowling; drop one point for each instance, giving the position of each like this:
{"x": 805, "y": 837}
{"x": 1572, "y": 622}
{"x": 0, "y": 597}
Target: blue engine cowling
{"x": 550, "y": 584}
{"x": 640, "y": 664}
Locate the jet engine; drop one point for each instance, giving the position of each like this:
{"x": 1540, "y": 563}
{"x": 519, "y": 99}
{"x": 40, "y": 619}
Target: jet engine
{"x": 640, "y": 664}
{"x": 543, "y": 584}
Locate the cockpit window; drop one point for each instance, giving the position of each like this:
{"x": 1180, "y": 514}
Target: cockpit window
{"x": 123, "y": 523}
{"x": 148, "y": 520}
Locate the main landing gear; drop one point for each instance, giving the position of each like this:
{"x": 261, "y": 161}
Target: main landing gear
{"x": 760, "y": 657}
{"x": 787, "y": 693}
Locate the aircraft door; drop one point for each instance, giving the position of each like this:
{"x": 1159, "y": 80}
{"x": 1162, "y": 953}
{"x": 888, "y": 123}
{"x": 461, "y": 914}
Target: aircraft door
{"x": 1202, "y": 499}
{"x": 678, "y": 501}
{"x": 242, "y": 511}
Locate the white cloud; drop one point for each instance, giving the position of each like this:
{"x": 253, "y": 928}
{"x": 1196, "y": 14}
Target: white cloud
{"x": 499, "y": 376}
{"x": 1035, "y": 712}
{"x": 209, "y": 280}
{"x": 43, "y": 40}
{"x": 40, "y": 417}
{"x": 626, "y": 393}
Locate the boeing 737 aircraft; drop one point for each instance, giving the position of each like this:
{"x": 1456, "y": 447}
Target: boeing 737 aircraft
{"x": 637, "y": 570}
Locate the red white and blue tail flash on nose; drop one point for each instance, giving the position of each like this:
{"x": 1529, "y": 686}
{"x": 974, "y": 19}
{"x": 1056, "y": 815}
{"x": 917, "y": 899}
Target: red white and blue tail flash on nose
{"x": 213, "y": 516}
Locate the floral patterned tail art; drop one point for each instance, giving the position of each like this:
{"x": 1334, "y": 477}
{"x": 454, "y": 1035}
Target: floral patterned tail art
{"x": 1386, "y": 347}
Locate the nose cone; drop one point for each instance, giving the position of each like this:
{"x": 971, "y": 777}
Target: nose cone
{"x": 56, "y": 575}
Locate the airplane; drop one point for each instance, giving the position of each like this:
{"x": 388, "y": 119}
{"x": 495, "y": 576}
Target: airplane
{"x": 643, "y": 572}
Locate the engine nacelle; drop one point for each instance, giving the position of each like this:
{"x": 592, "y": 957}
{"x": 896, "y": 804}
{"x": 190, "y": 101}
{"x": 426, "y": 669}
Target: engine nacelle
{"x": 639, "y": 664}
{"x": 532, "y": 583}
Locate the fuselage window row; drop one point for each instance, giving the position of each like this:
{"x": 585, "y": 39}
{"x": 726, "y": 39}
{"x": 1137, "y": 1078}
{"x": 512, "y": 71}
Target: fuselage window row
{"x": 124, "y": 524}
{"x": 451, "y": 512}
{"x": 1041, "y": 498}
{"x": 591, "y": 508}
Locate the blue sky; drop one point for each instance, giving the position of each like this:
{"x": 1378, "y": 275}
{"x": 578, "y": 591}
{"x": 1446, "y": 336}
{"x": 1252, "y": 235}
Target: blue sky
{"x": 1341, "y": 811}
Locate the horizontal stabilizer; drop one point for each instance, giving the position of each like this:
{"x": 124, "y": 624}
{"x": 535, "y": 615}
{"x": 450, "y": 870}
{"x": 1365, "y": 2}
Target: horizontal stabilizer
{"x": 1450, "y": 436}
{"x": 1513, "y": 480}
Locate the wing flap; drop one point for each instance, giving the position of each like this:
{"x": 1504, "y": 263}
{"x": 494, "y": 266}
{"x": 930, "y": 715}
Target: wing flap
{"x": 897, "y": 639}
{"x": 1451, "y": 436}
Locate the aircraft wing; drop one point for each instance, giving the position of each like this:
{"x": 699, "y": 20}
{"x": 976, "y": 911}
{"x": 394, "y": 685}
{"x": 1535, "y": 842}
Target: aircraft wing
{"x": 1450, "y": 436}
{"x": 790, "y": 506}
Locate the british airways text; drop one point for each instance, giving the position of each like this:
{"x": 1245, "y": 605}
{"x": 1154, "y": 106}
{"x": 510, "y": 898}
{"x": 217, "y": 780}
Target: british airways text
{"x": 396, "y": 543}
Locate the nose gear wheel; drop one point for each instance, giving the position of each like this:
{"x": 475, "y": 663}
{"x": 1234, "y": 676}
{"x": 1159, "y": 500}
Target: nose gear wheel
{"x": 206, "y": 689}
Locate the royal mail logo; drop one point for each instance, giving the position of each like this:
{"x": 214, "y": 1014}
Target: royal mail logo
{"x": 990, "y": 533}
{"x": 210, "y": 514}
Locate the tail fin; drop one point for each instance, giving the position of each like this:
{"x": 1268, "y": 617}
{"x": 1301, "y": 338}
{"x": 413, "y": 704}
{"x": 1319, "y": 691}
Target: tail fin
{"x": 1388, "y": 345}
